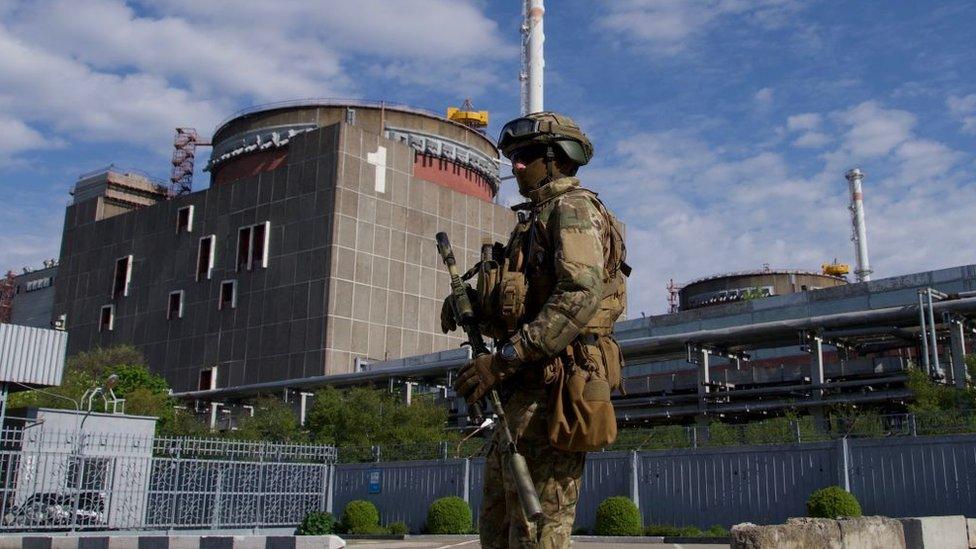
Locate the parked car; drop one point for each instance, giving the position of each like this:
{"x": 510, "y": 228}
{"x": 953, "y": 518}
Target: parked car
{"x": 53, "y": 509}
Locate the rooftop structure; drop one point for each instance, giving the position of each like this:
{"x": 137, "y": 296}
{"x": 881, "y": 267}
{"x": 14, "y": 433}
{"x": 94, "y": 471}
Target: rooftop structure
{"x": 116, "y": 191}
{"x": 747, "y": 285}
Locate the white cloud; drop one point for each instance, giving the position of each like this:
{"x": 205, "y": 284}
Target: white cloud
{"x": 874, "y": 130}
{"x": 764, "y": 96}
{"x": 805, "y": 121}
{"x": 693, "y": 208}
{"x": 811, "y": 140}
{"x": 964, "y": 109}
{"x": 105, "y": 70}
{"x": 668, "y": 26}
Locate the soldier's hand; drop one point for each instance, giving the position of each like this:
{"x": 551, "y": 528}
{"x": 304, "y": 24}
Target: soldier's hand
{"x": 448, "y": 322}
{"x": 478, "y": 376}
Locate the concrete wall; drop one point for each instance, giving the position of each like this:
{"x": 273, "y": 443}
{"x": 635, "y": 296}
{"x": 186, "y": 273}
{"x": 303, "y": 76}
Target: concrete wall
{"x": 352, "y": 273}
{"x": 386, "y": 283}
{"x": 32, "y": 307}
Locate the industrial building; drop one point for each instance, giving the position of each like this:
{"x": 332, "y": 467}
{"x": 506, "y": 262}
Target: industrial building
{"x": 28, "y": 298}
{"x": 311, "y": 253}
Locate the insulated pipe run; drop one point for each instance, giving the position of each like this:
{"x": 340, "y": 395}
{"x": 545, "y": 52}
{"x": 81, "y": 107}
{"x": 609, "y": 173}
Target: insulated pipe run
{"x": 935, "y": 345}
{"x": 533, "y": 59}
{"x": 924, "y": 334}
{"x": 859, "y": 236}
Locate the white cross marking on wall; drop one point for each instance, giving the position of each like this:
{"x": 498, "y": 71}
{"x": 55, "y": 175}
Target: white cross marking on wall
{"x": 378, "y": 159}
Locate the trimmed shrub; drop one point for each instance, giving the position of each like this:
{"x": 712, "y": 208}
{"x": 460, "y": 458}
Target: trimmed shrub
{"x": 690, "y": 532}
{"x": 717, "y": 531}
{"x": 360, "y": 516}
{"x": 618, "y": 516}
{"x": 316, "y": 523}
{"x": 450, "y": 515}
{"x": 833, "y": 502}
{"x": 399, "y": 528}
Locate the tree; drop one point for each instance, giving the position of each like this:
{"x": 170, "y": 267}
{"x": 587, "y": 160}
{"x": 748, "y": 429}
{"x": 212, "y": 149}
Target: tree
{"x": 273, "y": 421}
{"x": 145, "y": 392}
{"x": 363, "y": 416}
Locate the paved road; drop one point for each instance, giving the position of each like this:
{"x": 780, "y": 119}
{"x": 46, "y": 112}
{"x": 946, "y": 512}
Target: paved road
{"x": 468, "y": 543}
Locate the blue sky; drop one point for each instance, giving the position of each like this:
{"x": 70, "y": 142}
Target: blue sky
{"x": 722, "y": 129}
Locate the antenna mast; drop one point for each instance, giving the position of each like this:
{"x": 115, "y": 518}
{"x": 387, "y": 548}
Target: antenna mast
{"x": 533, "y": 59}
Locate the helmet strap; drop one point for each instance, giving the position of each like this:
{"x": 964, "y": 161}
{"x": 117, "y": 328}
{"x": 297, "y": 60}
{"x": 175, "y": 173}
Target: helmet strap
{"x": 550, "y": 164}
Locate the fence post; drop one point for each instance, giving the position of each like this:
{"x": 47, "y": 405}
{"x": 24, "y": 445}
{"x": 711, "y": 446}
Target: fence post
{"x": 913, "y": 424}
{"x": 330, "y": 487}
{"x": 466, "y": 490}
{"x": 635, "y": 479}
{"x": 843, "y": 464}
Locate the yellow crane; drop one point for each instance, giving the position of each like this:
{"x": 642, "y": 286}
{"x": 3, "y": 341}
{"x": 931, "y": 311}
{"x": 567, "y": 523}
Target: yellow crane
{"x": 835, "y": 269}
{"x": 468, "y": 116}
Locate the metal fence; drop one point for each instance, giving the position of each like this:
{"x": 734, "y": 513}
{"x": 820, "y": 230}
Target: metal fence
{"x": 71, "y": 480}
{"x": 894, "y": 476}
{"x": 60, "y": 480}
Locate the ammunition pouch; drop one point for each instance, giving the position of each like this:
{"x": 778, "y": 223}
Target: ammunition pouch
{"x": 581, "y": 415}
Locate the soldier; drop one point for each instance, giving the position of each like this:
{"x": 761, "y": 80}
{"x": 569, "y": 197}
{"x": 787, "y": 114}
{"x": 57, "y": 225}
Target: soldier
{"x": 549, "y": 299}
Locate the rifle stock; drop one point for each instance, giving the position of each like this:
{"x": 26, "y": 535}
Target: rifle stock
{"x": 465, "y": 318}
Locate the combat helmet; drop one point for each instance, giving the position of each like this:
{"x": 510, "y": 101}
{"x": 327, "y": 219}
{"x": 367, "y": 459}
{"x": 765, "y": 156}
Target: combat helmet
{"x": 546, "y": 128}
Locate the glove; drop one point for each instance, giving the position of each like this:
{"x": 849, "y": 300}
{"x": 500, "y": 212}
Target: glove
{"x": 448, "y": 322}
{"x": 478, "y": 376}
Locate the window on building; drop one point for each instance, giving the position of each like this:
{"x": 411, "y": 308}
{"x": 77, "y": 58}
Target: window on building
{"x": 244, "y": 248}
{"x": 123, "y": 276}
{"x": 205, "y": 258}
{"x": 228, "y": 294}
{"x": 106, "y": 322}
{"x": 259, "y": 247}
{"x": 174, "y": 308}
{"x": 184, "y": 219}
{"x": 208, "y": 379}
{"x": 252, "y": 246}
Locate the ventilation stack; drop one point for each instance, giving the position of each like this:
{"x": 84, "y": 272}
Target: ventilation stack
{"x": 533, "y": 60}
{"x": 859, "y": 235}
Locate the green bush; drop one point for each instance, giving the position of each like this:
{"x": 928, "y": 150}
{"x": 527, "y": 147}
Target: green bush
{"x": 450, "y": 515}
{"x": 717, "y": 531}
{"x": 316, "y": 523}
{"x": 360, "y": 516}
{"x": 832, "y": 502}
{"x": 618, "y": 516}
{"x": 666, "y": 530}
{"x": 690, "y": 532}
{"x": 398, "y": 528}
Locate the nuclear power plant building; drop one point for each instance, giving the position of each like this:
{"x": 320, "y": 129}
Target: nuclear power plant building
{"x": 311, "y": 252}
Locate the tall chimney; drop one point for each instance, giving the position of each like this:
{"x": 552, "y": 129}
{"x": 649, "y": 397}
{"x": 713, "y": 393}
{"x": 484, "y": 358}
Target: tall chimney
{"x": 533, "y": 60}
{"x": 860, "y": 234}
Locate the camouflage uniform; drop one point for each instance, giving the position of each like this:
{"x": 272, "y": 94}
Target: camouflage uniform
{"x": 567, "y": 283}
{"x": 549, "y": 301}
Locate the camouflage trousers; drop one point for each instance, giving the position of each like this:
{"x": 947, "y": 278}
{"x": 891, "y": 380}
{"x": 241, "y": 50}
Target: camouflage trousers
{"x": 557, "y": 475}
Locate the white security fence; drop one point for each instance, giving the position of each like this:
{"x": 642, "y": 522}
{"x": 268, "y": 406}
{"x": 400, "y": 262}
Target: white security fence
{"x": 71, "y": 480}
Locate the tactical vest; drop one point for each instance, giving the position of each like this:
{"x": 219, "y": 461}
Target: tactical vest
{"x": 515, "y": 280}
{"x": 514, "y": 283}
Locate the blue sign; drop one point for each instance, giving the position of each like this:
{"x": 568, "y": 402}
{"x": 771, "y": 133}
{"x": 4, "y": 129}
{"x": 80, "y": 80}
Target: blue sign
{"x": 374, "y": 481}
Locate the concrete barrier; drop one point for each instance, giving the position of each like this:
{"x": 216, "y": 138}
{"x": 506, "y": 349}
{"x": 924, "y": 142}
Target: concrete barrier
{"x": 246, "y": 541}
{"x": 936, "y": 532}
{"x": 818, "y": 533}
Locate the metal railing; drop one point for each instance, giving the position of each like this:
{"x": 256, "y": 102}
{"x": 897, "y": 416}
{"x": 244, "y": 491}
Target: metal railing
{"x": 66, "y": 480}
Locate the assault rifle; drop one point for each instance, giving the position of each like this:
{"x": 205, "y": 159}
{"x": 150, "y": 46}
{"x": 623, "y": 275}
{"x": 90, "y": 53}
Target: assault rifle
{"x": 465, "y": 318}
